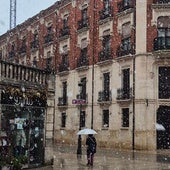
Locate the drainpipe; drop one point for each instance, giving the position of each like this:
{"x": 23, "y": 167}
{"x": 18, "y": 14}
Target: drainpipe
{"x": 133, "y": 92}
{"x": 133, "y": 103}
{"x": 94, "y": 34}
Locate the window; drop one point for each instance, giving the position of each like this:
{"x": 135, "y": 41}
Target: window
{"x": 65, "y": 22}
{"x": 48, "y": 64}
{"x": 64, "y": 92}
{"x": 105, "y": 118}
{"x": 82, "y": 119}
{"x": 163, "y": 38}
{"x": 34, "y": 64}
{"x": 83, "y": 88}
{"x": 84, "y": 14}
{"x": 106, "y": 86}
{"x": 106, "y": 4}
{"x": 125, "y": 117}
{"x": 35, "y": 35}
{"x": 49, "y": 60}
{"x": 126, "y": 83}
{"x": 164, "y": 82}
{"x": 126, "y": 2}
{"x": 49, "y": 29}
{"x": 63, "y": 120}
{"x": 126, "y": 44}
{"x": 106, "y": 43}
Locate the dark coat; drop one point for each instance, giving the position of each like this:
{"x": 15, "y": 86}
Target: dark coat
{"x": 91, "y": 144}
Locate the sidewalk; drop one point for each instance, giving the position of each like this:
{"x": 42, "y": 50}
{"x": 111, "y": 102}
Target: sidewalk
{"x": 65, "y": 158}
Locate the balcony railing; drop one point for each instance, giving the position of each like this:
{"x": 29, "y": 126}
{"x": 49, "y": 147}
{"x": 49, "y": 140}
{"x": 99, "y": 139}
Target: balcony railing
{"x": 64, "y": 31}
{"x": 124, "y": 94}
{"x": 162, "y": 43}
{"x": 48, "y": 38}
{"x": 63, "y": 67}
{"x": 34, "y": 44}
{"x": 105, "y": 13}
{"x": 104, "y": 96}
{"x": 105, "y": 55}
{"x": 83, "y": 23}
{"x": 125, "y": 50}
{"x": 122, "y": 6}
{"x": 82, "y": 96}
{"x": 161, "y": 1}
{"x": 62, "y": 101}
{"x": 83, "y": 61}
{"x": 22, "y": 73}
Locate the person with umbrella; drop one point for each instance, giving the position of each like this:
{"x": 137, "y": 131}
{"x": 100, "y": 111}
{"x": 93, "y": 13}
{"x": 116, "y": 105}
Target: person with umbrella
{"x": 91, "y": 148}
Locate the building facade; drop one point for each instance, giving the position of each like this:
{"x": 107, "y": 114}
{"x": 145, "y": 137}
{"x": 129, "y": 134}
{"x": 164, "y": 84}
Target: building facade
{"x": 112, "y": 65}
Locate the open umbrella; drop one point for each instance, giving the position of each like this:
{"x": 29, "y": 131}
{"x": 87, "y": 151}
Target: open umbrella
{"x": 87, "y": 131}
{"x": 159, "y": 127}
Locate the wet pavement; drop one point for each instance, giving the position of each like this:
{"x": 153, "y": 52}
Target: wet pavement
{"x": 65, "y": 158}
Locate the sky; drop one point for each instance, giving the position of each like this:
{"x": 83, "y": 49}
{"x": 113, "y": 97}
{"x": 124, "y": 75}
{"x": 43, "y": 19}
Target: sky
{"x": 24, "y": 9}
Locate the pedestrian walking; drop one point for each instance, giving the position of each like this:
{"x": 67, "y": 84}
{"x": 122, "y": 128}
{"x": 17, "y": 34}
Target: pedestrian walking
{"x": 91, "y": 149}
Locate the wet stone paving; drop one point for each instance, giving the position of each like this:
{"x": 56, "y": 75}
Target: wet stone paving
{"x": 65, "y": 159}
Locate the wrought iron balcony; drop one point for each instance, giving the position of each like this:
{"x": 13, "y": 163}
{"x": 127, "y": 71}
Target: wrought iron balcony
{"x": 161, "y": 1}
{"x": 34, "y": 44}
{"x": 127, "y": 49}
{"x": 162, "y": 43}
{"x": 62, "y": 101}
{"x": 83, "y": 61}
{"x": 82, "y": 96}
{"x": 105, "y": 13}
{"x": 64, "y": 31}
{"x": 124, "y": 94}
{"x": 23, "y": 49}
{"x": 48, "y": 38}
{"x": 104, "y": 96}
{"x": 83, "y": 23}
{"x": 105, "y": 55}
{"x": 63, "y": 67}
{"x": 124, "y": 5}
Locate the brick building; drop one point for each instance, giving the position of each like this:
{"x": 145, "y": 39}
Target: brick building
{"x": 112, "y": 54}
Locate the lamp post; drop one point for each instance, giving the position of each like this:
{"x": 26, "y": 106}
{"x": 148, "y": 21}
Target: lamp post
{"x": 79, "y": 149}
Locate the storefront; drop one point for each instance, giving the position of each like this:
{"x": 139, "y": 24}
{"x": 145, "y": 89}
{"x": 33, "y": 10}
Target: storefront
{"x": 22, "y": 124}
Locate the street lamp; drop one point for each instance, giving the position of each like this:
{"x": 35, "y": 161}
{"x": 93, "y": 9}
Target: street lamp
{"x": 79, "y": 149}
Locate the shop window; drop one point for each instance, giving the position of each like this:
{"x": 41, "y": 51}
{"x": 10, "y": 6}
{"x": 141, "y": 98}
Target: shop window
{"x": 105, "y": 118}
{"x": 125, "y": 117}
